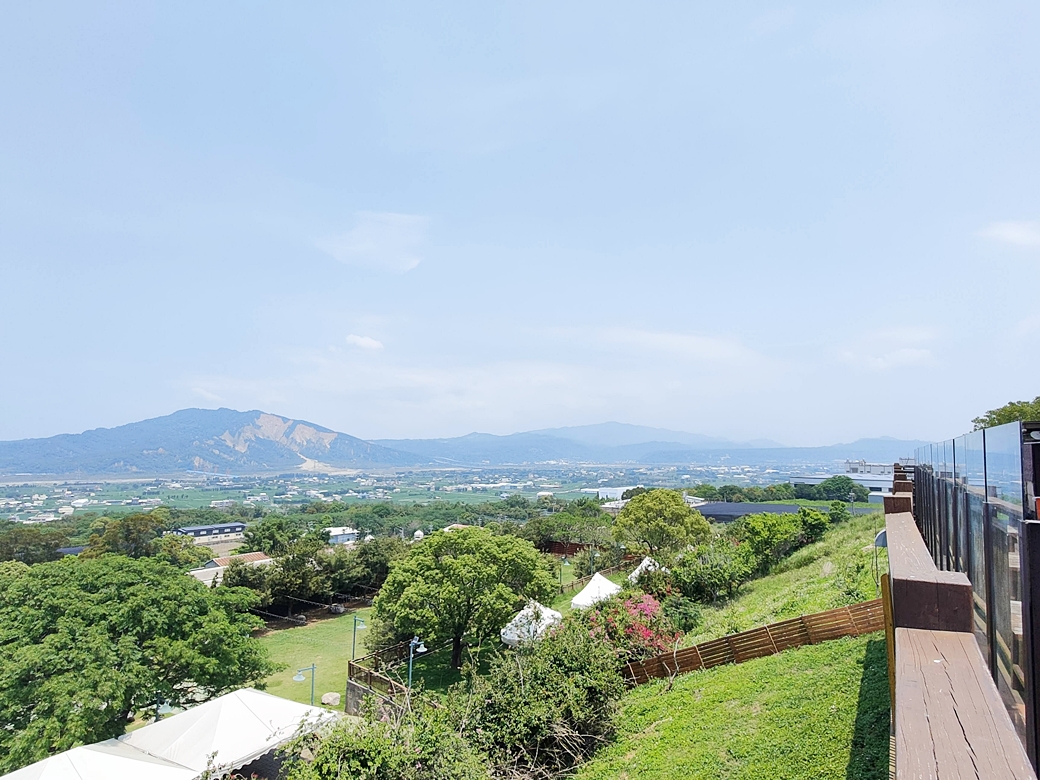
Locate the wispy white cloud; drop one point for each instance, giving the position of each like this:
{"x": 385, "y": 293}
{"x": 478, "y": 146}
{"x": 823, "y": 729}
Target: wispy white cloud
{"x": 204, "y": 393}
{"x": 364, "y": 342}
{"x": 380, "y": 240}
{"x": 890, "y": 348}
{"x": 1024, "y": 234}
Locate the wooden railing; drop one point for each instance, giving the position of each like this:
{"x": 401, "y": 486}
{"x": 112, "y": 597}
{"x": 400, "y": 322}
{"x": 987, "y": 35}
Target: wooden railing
{"x": 948, "y": 718}
{"x": 863, "y": 618}
{"x": 581, "y": 582}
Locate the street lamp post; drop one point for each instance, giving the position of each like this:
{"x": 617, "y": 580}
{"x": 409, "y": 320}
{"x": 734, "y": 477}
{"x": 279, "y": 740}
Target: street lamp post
{"x": 415, "y": 647}
{"x": 298, "y": 677}
{"x": 353, "y": 645}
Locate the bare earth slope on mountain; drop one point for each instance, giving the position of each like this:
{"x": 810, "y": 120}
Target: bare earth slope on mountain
{"x": 214, "y": 440}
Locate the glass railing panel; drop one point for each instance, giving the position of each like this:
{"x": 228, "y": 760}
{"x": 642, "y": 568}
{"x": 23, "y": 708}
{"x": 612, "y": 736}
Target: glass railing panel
{"x": 972, "y": 455}
{"x": 1004, "y": 489}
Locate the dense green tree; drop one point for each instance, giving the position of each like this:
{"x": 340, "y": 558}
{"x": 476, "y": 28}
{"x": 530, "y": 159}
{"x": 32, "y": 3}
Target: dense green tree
{"x": 181, "y": 551}
{"x": 632, "y": 492}
{"x": 272, "y": 535}
{"x": 814, "y": 522}
{"x": 731, "y": 493}
{"x": 660, "y": 521}
{"x": 459, "y": 583}
{"x": 715, "y": 569}
{"x": 839, "y": 488}
{"x": 362, "y": 568}
{"x": 135, "y": 536}
{"x": 567, "y": 527}
{"x": 84, "y": 644}
{"x": 30, "y": 544}
{"x": 770, "y": 537}
{"x": 1009, "y": 412}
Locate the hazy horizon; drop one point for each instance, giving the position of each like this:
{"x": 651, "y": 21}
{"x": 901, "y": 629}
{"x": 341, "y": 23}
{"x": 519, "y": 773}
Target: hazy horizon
{"x": 544, "y": 431}
{"x": 419, "y": 221}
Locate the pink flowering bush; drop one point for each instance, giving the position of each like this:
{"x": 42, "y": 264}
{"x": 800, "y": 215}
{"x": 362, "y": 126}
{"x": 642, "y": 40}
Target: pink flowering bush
{"x": 635, "y": 626}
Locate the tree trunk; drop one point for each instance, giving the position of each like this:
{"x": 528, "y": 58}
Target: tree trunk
{"x": 456, "y": 652}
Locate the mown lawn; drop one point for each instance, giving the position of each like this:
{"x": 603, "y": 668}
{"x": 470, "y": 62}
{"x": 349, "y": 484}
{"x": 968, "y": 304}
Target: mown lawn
{"x": 836, "y": 571}
{"x": 324, "y": 642}
{"x": 816, "y": 713}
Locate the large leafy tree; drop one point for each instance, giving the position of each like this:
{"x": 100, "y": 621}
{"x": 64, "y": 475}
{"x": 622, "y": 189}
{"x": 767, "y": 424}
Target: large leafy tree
{"x": 459, "y": 583}
{"x": 1009, "y": 412}
{"x": 84, "y": 644}
{"x": 660, "y": 521}
{"x": 134, "y": 535}
{"x": 30, "y": 545}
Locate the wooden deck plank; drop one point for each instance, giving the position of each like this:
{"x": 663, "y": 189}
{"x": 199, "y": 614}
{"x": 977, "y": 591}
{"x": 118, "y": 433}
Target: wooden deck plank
{"x": 950, "y": 722}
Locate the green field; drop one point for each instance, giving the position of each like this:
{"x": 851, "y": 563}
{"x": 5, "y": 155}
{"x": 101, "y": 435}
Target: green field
{"x": 813, "y": 713}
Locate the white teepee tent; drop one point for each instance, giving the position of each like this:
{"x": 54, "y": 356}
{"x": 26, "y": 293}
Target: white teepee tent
{"x": 598, "y": 589}
{"x": 530, "y": 624}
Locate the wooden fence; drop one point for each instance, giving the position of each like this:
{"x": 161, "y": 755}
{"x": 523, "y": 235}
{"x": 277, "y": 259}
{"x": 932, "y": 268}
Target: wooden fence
{"x": 863, "y": 618}
{"x": 581, "y": 582}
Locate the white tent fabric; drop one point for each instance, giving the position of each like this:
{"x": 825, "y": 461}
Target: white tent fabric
{"x": 647, "y": 564}
{"x": 598, "y": 589}
{"x": 238, "y": 727}
{"x": 108, "y": 760}
{"x": 530, "y": 624}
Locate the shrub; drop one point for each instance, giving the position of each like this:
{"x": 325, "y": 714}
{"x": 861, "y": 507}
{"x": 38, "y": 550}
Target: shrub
{"x": 770, "y": 537}
{"x": 420, "y": 746}
{"x": 839, "y": 512}
{"x": 541, "y": 711}
{"x": 683, "y": 613}
{"x": 814, "y": 523}
{"x": 635, "y": 627}
{"x": 714, "y": 569}
{"x": 657, "y": 582}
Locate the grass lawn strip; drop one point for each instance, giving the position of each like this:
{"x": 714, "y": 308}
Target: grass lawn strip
{"x": 815, "y": 712}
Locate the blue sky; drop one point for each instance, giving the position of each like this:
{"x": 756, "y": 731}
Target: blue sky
{"x": 805, "y": 222}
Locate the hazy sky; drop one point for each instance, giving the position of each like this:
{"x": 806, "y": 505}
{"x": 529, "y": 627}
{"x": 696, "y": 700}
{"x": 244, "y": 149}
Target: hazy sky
{"x": 807, "y": 222}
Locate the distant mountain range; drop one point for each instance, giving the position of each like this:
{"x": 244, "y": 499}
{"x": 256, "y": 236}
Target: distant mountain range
{"x": 228, "y": 441}
{"x": 214, "y": 440}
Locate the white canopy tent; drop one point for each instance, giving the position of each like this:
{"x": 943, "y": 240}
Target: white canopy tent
{"x": 647, "y": 564}
{"x": 234, "y": 730}
{"x": 598, "y": 589}
{"x": 530, "y": 624}
{"x": 108, "y": 760}
{"x": 238, "y": 727}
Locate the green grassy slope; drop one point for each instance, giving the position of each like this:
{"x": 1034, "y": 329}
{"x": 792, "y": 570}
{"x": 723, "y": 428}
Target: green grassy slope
{"x": 816, "y": 712}
{"x": 836, "y": 571}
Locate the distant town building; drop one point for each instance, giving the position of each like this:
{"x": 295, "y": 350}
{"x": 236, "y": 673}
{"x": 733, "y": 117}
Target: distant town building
{"x": 219, "y": 532}
{"x": 455, "y": 527}
{"x": 342, "y": 535}
{"x": 224, "y": 503}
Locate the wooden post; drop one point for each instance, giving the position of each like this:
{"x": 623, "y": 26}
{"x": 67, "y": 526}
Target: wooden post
{"x": 890, "y": 641}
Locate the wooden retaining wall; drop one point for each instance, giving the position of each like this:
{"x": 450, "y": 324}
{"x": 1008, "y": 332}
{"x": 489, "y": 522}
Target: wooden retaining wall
{"x": 863, "y": 618}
